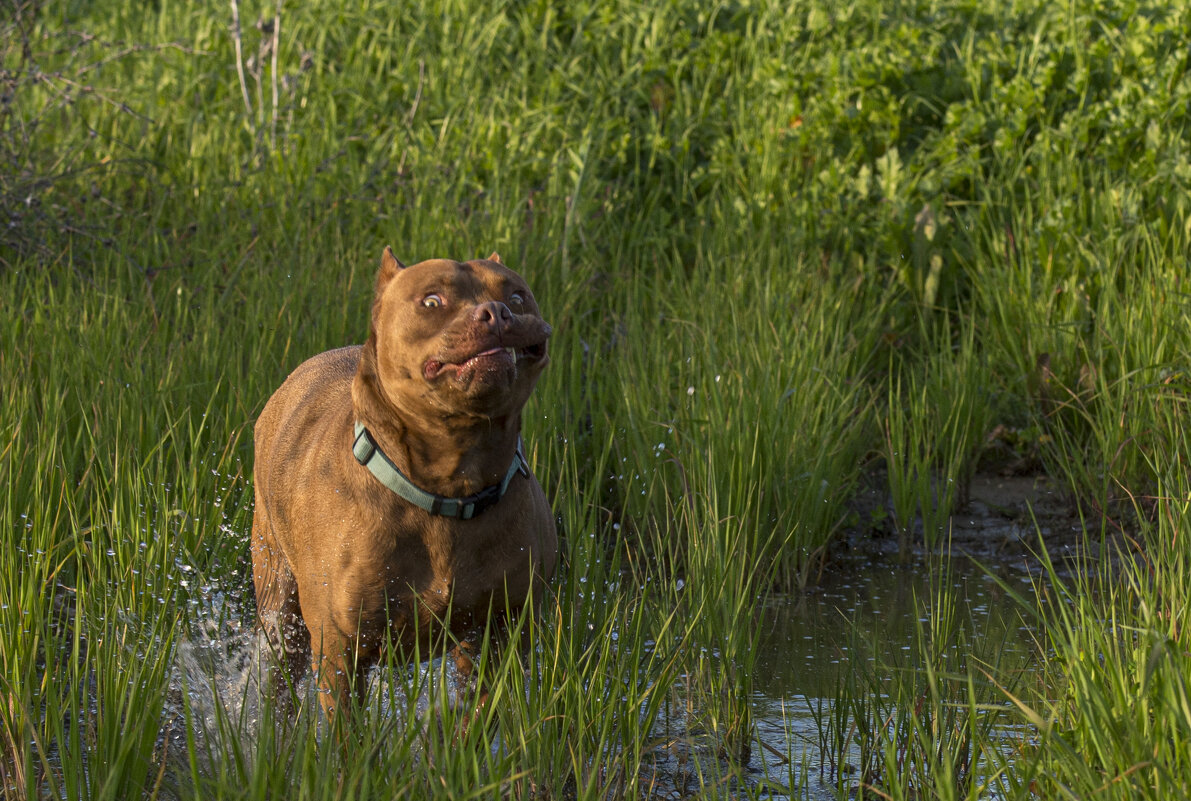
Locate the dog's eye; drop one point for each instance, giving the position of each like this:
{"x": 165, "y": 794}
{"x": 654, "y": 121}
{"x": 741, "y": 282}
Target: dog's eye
{"x": 516, "y": 301}
{"x": 432, "y": 301}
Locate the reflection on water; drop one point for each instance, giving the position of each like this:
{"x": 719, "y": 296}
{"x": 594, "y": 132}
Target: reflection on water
{"x": 867, "y": 623}
{"x": 808, "y": 636}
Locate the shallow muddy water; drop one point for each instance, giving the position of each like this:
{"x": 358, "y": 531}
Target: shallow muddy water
{"x": 866, "y": 619}
{"x": 878, "y": 606}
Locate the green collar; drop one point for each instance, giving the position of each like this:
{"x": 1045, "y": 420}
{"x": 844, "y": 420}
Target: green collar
{"x": 369, "y": 454}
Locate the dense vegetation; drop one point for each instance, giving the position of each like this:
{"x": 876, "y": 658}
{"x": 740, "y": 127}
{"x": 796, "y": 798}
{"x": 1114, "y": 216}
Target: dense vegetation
{"x": 787, "y": 248}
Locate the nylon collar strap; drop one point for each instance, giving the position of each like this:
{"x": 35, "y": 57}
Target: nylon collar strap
{"x": 369, "y": 454}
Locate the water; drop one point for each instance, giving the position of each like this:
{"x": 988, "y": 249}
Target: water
{"x": 861, "y": 637}
{"x": 870, "y": 619}
{"x": 882, "y": 603}
{"x": 866, "y": 632}
{"x": 866, "y": 620}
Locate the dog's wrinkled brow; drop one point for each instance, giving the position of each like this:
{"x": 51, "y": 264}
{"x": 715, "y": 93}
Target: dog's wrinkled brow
{"x": 459, "y": 283}
{"x": 504, "y": 285}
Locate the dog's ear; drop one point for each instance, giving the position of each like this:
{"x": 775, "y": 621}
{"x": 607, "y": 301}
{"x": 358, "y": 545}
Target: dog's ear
{"x": 389, "y": 262}
{"x": 495, "y": 257}
{"x": 389, "y": 267}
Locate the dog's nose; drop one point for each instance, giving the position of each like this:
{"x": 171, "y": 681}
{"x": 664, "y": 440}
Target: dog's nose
{"x": 493, "y": 314}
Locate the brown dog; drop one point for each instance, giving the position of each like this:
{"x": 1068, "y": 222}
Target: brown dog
{"x": 390, "y": 479}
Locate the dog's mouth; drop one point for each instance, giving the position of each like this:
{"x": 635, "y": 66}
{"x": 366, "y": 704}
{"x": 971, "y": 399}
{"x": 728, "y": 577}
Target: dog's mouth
{"x": 491, "y": 359}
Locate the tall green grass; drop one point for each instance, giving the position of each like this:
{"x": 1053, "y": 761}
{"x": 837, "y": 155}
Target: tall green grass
{"x": 1113, "y": 719}
{"x": 786, "y": 248}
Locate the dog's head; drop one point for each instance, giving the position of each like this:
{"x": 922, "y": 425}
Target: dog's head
{"x": 456, "y": 337}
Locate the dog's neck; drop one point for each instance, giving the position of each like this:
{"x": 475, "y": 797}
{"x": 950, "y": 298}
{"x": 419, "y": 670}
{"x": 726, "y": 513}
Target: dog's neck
{"x": 460, "y": 455}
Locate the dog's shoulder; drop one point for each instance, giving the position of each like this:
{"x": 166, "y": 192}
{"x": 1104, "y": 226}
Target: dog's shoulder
{"x": 317, "y": 387}
{"x": 333, "y": 365}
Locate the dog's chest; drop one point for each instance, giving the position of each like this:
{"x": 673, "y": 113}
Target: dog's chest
{"x": 447, "y": 568}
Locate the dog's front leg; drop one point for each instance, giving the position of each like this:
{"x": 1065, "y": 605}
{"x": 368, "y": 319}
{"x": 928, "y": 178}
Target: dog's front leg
{"x": 471, "y": 693}
{"x": 475, "y": 688}
{"x": 342, "y": 677}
